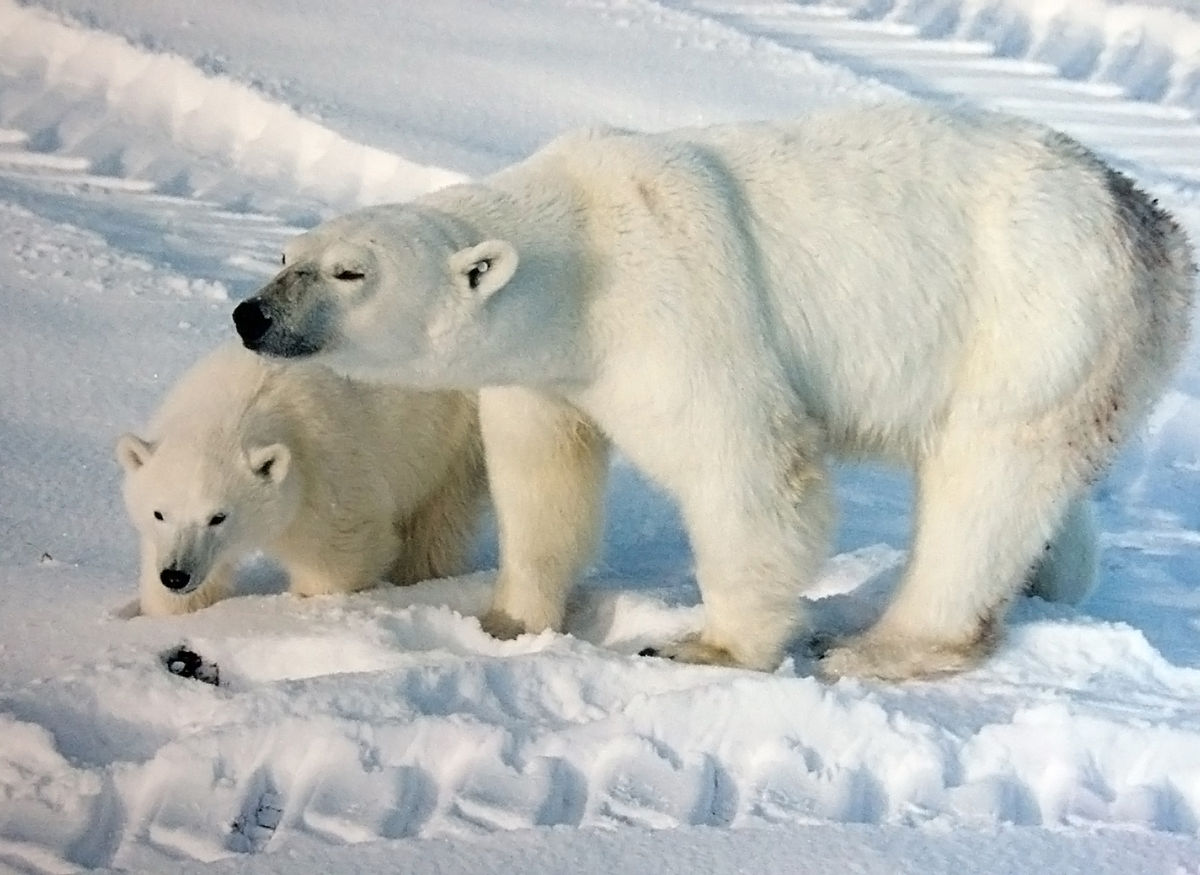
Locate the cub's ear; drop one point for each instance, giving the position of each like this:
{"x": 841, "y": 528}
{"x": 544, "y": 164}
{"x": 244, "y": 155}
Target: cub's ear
{"x": 270, "y": 462}
{"x": 484, "y": 269}
{"x": 133, "y": 452}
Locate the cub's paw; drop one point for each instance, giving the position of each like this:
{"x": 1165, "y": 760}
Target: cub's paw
{"x": 127, "y": 611}
{"x": 500, "y": 625}
{"x": 187, "y": 663}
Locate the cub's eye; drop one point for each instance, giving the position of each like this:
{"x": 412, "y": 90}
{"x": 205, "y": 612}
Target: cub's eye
{"x": 283, "y": 259}
{"x": 217, "y": 519}
{"x": 347, "y": 274}
{"x": 158, "y": 515}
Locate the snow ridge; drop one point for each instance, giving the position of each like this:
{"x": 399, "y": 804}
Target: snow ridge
{"x": 101, "y": 86}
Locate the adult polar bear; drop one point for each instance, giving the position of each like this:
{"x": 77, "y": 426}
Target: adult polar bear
{"x": 971, "y": 294}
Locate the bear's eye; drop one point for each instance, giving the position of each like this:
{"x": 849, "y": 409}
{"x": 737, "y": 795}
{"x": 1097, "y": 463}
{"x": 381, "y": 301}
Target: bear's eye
{"x": 477, "y": 272}
{"x": 347, "y": 274}
{"x": 283, "y": 259}
{"x": 158, "y": 515}
{"x": 217, "y": 519}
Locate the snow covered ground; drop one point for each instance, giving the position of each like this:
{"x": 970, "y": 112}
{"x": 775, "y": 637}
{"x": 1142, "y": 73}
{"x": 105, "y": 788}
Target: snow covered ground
{"x": 152, "y": 159}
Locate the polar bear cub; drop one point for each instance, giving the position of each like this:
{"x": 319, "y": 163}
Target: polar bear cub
{"x": 342, "y": 482}
{"x": 968, "y": 294}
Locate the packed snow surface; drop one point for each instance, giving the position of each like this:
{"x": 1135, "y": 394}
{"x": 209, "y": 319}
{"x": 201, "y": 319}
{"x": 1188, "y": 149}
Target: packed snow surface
{"x": 153, "y": 158}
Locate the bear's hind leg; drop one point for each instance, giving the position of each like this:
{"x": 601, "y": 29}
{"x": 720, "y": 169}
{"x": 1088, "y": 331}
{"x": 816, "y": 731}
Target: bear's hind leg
{"x": 1066, "y": 571}
{"x": 547, "y": 466}
{"x": 988, "y": 501}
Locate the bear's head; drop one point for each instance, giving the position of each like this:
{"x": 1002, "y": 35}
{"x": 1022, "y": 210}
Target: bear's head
{"x": 197, "y": 506}
{"x": 384, "y": 293}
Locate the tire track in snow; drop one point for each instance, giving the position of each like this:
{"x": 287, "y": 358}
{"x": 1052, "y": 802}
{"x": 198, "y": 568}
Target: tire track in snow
{"x": 421, "y": 736}
{"x": 1158, "y": 138}
{"x": 1145, "y": 49}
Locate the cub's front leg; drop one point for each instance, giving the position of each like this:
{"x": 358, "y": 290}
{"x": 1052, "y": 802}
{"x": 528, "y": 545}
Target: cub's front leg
{"x": 547, "y": 466}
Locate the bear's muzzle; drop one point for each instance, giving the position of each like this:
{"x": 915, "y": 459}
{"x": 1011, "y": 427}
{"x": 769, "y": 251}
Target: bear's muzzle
{"x": 252, "y": 322}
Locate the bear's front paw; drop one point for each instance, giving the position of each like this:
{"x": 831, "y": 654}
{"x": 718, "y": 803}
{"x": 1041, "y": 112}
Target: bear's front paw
{"x": 698, "y": 651}
{"x": 888, "y": 659}
{"x": 500, "y": 625}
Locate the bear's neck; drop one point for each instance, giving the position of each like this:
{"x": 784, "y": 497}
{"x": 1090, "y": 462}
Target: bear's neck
{"x": 531, "y": 217}
{"x": 546, "y": 302}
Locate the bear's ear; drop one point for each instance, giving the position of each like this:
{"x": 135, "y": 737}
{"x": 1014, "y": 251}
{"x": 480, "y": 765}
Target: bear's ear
{"x": 485, "y": 268}
{"x": 133, "y": 452}
{"x": 270, "y": 462}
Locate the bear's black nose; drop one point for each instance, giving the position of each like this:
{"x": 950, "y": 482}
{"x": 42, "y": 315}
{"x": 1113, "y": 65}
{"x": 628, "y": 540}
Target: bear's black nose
{"x": 173, "y": 578}
{"x": 252, "y": 322}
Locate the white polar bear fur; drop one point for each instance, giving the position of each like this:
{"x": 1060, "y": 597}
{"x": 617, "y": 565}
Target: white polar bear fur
{"x": 968, "y": 294}
{"x": 345, "y": 484}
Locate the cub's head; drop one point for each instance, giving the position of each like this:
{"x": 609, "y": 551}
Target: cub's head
{"x": 386, "y": 292}
{"x": 197, "y": 507}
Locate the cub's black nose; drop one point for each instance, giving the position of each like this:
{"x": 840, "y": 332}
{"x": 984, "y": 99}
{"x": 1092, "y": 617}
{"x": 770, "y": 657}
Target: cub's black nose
{"x": 251, "y": 321}
{"x": 173, "y": 578}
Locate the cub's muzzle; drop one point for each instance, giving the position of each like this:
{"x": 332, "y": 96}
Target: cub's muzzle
{"x": 174, "y": 578}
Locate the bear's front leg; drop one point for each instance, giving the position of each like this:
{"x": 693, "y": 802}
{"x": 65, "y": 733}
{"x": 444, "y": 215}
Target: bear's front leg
{"x": 312, "y": 577}
{"x": 547, "y": 466}
{"x": 758, "y": 510}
